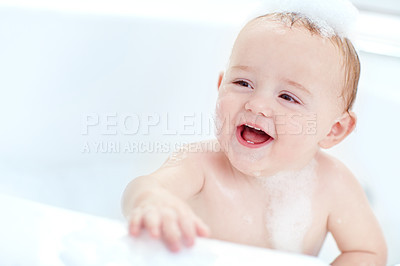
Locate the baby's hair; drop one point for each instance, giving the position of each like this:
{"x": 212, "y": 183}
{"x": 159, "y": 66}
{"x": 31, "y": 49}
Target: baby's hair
{"x": 350, "y": 59}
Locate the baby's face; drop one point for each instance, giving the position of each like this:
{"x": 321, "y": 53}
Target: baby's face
{"x": 278, "y": 99}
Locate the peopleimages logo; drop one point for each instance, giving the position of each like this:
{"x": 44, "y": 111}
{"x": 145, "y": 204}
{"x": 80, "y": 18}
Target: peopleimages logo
{"x": 130, "y": 133}
{"x": 148, "y": 123}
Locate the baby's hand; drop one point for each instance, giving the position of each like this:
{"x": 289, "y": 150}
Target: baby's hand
{"x": 167, "y": 217}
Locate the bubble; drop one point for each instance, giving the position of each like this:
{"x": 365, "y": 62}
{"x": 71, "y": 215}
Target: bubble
{"x": 331, "y": 17}
{"x": 289, "y": 213}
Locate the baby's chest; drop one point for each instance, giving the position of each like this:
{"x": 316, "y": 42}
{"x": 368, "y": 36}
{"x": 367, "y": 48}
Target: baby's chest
{"x": 284, "y": 223}
{"x": 236, "y": 223}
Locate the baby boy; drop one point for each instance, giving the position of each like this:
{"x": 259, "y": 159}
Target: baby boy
{"x": 286, "y": 94}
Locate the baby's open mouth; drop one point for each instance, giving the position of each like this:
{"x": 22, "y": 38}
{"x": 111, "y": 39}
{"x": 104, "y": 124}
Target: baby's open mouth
{"x": 251, "y": 136}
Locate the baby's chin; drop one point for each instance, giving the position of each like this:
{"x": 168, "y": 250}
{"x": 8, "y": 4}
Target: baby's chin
{"x": 247, "y": 162}
{"x": 249, "y": 171}
{"x": 246, "y": 167}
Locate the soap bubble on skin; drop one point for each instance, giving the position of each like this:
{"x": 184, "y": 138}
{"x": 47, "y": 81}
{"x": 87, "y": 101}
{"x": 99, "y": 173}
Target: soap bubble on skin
{"x": 219, "y": 122}
{"x": 289, "y": 213}
{"x": 257, "y": 173}
{"x": 331, "y": 17}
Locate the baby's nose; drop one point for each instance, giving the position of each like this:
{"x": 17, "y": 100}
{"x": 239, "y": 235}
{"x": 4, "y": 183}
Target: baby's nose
{"x": 259, "y": 105}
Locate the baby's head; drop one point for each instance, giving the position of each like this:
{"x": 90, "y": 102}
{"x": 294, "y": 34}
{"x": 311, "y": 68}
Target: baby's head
{"x": 292, "y": 81}
{"x": 349, "y": 58}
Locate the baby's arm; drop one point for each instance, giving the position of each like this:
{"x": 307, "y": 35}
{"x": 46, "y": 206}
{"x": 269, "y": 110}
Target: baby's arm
{"x": 157, "y": 202}
{"x": 354, "y": 226}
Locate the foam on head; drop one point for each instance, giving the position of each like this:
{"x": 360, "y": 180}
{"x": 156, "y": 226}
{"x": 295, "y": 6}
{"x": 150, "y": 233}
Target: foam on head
{"x": 331, "y": 17}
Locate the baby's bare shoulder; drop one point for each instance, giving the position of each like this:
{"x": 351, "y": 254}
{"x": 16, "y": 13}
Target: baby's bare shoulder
{"x": 350, "y": 217}
{"x": 334, "y": 173}
{"x": 186, "y": 168}
{"x": 341, "y": 186}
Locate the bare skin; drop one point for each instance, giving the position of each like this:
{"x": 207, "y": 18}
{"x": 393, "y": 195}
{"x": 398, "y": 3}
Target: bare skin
{"x": 217, "y": 200}
{"x": 273, "y": 195}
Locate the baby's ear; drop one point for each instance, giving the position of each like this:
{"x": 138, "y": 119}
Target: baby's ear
{"x": 220, "y": 77}
{"x": 343, "y": 126}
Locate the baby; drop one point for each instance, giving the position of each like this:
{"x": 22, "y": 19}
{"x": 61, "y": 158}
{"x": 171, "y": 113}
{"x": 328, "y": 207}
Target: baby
{"x": 286, "y": 94}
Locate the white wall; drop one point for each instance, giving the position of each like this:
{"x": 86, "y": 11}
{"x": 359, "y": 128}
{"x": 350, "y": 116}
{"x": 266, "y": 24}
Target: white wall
{"x": 59, "y": 68}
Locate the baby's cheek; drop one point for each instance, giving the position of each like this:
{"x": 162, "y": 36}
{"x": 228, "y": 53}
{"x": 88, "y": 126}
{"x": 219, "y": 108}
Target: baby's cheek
{"x": 223, "y": 102}
{"x": 224, "y": 110}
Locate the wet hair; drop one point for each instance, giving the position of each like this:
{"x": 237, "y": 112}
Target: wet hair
{"x": 350, "y": 60}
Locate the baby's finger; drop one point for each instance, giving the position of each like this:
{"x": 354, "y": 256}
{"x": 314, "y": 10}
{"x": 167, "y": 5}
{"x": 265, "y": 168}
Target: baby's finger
{"x": 171, "y": 233}
{"x": 188, "y": 229}
{"x": 151, "y": 221}
{"x": 201, "y": 228}
{"x": 135, "y": 222}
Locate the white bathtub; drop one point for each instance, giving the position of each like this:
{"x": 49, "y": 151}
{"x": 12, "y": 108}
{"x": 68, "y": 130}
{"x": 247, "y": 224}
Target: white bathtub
{"x": 53, "y": 236}
{"x": 69, "y": 81}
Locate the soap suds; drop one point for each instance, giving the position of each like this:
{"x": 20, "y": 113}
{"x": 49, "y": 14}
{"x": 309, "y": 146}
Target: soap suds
{"x": 257, "y": 173}
{"x": 219, "y": 121}
{"x": 331, "y": 17}
{"x": 289, "y": 213}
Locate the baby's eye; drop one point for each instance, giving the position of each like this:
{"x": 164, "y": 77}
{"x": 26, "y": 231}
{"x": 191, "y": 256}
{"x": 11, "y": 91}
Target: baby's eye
{"x": 288, "y": 98}
{"x": 243, "y": 83}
